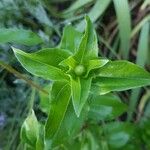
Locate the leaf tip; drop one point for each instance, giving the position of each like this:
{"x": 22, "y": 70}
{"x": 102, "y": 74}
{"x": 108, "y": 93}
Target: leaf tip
{"x": 13, "y": 48}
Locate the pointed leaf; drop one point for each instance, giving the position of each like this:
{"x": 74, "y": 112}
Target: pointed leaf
{"x": 94, "y": 64}
{"x": 30, "y": 130}
{"x": 70, "y": 126}
{"x": 80, "y": 90}
{"x": 70, "y": 61}
{"x": 88, "y": 47}
{"x": 120, "y": 75}
{"x": 60, "y": 97}
{"x": 40, "y": 65}
{"x": 70, "y": 39}
{"x": 19, "y": 36}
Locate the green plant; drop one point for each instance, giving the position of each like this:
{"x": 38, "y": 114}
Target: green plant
{"x": 80, "y": 80}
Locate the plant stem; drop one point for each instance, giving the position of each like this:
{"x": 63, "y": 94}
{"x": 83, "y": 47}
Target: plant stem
{"x": 19, "y": 75}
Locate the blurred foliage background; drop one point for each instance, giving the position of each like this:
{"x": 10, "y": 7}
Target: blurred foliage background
{"x": 123, "y": 30}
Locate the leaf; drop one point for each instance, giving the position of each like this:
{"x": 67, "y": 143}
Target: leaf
{"x": 40, "y": 65}
{"x": 79, "y": 90}
{"x": 141, "y": 59}
{"x": 70, "y": 61}
{"x": 118, "y": 134}
{"x": 76, "y": 5}
{"x": 60, "y": 97}
{"x": 30, "y": 130}
{"x": 96, "y": 12}
{"x": 19, "y": 36}
{"x": 70, "y": 127}
{"x": 119, "y": 76}
{"x": 104, "y": 107}
{"x": 95, "y": 64}
{"x": 70, "y": 39}
{"x": 140, "y": 25}
{"x": 88, "y": 48}
{"x": 124, "y": 24}
{"x": 40, "y": 140}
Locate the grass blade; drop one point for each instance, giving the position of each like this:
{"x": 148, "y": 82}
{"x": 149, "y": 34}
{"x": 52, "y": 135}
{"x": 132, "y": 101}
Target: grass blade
{"x": 141, "y": 60}
{"x": 124, "y": 24}
{"x": 96, "y": 12}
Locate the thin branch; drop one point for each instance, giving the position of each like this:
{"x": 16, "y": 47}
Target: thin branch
{"x": 19, "y": 75}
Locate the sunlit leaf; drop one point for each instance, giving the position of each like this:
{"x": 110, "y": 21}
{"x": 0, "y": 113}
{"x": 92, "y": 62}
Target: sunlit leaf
{"x": 88, "y": 48}
{"x": 37, "y": 65}
{"x": 119, "y": 76}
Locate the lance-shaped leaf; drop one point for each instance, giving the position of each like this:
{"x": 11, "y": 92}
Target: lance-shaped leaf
{"x": 71, "y": 126}
{"x": 19, "y": 36}
{"x": 30, "y": 130}
{"x": 71, "y": 39}
{"x": 60, "y": 96}
{"x": 95, "y": 64}
{"x": 80, "y": 90}
{"x": 43, "y": 63}
{"x": 120, "y": 75}
{"x": 88, "y": 48}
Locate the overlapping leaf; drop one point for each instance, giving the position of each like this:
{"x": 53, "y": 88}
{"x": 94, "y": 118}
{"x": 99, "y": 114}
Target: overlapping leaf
{"x": 71, "y": 39}
{"x": 80, "y": 91}
{"x": 60, "y": 97}
{"x": 88, "y": 48}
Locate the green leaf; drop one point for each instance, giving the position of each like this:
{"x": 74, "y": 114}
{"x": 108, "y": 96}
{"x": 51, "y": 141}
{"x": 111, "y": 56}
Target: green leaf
{"x": 96, "y": 12}
{"x": 124, "y": 24}
{"x": 104, "y": 107}
{"x": 119, "y": 76}
{"x": 76, "y": 5}
{"x": 60, "y": 97}
{"x": 30, "y": 130}
{"x": 43, "y": 63}
{"x": 80, "y": 90}
{"x": 95, "y": 64}
{"x": 70, "y": 61}
{"x": 40, "y": 140}
{"x": 19, "y": 36}
{"x": 88, "y": 48}
{"x": 70, "y": 39}
{"x": 70, "y": 127}
{"x": 118, "y": 134}
{"x": 142, "y": 55}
